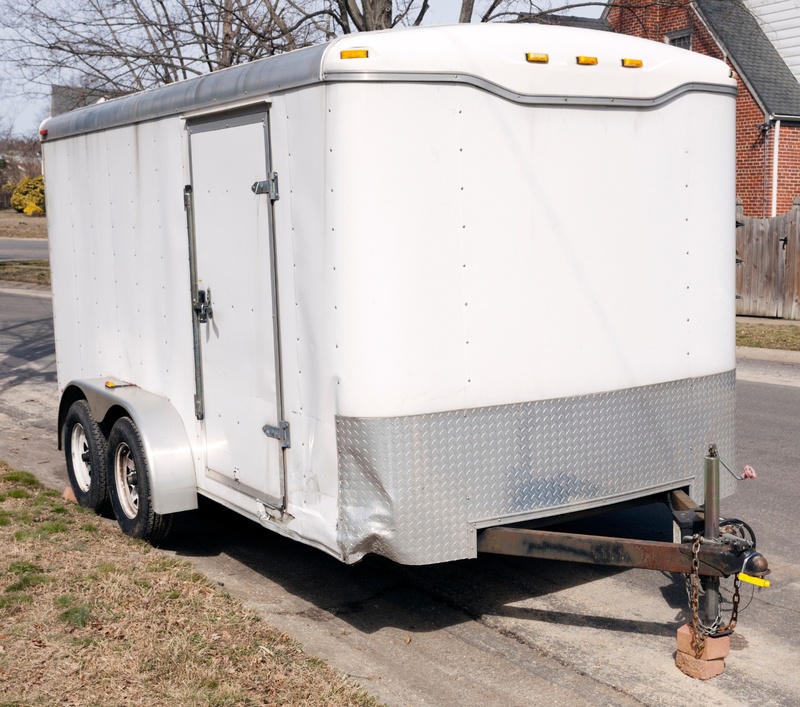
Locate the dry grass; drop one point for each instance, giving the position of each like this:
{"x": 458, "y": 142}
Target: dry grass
{"x": 768, "y": 336}
{"x": 36, "y": 272}
{"x": 91, "y": 617}
{"x": 16, "y": 225}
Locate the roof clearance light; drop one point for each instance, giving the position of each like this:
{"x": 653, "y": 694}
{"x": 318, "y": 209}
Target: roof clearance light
{"x": 587, "y": 60}
{"x": 355, "y": 54}
{"x": 632, "y": 63}
{"x": 43, "y": 133}
{"x": 537, "y": 58}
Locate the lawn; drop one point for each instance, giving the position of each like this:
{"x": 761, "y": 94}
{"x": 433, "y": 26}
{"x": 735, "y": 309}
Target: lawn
{"x": 16, "y": 225}
{"x": 768, "y": 336}
{"x": 36, "y": 272}
{"x": 89, "y": 617}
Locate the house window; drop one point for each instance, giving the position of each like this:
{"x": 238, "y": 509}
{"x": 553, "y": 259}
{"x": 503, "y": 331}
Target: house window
{"x": 682, "y": 38}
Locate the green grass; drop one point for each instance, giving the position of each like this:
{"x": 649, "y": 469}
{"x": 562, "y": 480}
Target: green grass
{"x": 27, "y": 574}
{"x": 77, "y": 616}
{"x": 785, "y": 337}
{"x": 9, "y": 601}
{"x": 22, "y": 567}
{"x": 21, "y": 477}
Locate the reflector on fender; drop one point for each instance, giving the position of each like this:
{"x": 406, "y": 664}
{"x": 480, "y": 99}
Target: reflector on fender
{"x": 587, "y": 60}
{"x": 632, "y": 63}
{"x": 354, "y": 54}
{"x": 537, "y": 58}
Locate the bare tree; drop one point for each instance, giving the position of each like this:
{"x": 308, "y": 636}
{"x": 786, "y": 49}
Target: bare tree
{"x": 129, "y": 45}
{"x": 19, "y": 156}
{"x": 135, "y": 44}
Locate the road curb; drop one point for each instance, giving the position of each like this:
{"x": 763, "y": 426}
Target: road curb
{"x": 766, "y": 321}
{"x": 11, "y": 287}
{"x": 754, "y": 354}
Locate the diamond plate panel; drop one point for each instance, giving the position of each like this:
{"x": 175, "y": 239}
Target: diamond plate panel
{"x": 412, "y": 488}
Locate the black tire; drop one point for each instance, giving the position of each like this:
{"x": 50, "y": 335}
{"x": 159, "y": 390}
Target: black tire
{"x": 129, "y": 484}
{"x": 85, "y": 448}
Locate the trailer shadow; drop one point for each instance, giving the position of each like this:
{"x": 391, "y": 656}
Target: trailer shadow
{"x": 29, "y": 352}
{"x": 377, "y": 593}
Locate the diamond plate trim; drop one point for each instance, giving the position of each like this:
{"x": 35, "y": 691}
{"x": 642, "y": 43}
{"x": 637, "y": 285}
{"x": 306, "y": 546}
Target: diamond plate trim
{"x": 411, "y": 488}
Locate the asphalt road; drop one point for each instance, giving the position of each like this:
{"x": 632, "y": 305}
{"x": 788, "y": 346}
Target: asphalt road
{"x": 23, "y": 249}
{"x": 491, "y": 631}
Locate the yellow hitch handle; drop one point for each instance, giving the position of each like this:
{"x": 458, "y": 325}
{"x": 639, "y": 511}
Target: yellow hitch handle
{"x": 758, "y": 581}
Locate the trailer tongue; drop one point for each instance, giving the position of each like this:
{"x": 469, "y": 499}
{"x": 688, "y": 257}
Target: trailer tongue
{"x": 705, "y": 558}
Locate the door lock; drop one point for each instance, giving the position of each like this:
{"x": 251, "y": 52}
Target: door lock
{"x": 202, "y": 306}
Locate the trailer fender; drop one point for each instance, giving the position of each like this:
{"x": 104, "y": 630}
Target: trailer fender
{"x": 169, "y": 456}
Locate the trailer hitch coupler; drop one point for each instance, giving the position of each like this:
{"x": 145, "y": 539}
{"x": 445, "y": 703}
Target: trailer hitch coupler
{"x": 756, "y": 565}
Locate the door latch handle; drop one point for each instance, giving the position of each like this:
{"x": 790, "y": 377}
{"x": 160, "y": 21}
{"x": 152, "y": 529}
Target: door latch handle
{"x": 784, "y": 240}
{"x": 202, "y": 306}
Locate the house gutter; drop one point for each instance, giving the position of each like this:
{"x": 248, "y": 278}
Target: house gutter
{"x": 776, "y": 134}
{"x": 775, "y": 121}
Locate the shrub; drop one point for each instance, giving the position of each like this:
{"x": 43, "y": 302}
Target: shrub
{"x": 32, "y": 209}
{"x": 28, "y": 197}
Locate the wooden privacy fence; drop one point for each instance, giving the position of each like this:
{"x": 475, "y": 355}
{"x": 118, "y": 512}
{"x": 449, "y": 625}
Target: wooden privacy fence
{"x": 768, "y": 278}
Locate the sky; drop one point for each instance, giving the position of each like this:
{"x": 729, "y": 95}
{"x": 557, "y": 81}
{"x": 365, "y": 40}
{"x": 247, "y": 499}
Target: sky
{"x": 28, "y": 110}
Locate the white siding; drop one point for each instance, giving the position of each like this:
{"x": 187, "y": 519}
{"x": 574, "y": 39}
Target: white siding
{"x": 780, "y": 20}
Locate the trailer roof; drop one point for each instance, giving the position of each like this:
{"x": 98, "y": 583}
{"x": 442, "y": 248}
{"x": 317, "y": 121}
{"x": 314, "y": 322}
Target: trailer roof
{"x": 526, "y": 63}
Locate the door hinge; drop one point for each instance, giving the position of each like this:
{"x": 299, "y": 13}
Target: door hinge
{"x": 268, "y": 186}
{"x": 281, "y": 433}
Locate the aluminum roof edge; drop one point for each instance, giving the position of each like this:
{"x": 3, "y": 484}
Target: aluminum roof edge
{"x": 303, "y": 67}
{"x": 257, "y": 78}
{"x": 528, "y": 99}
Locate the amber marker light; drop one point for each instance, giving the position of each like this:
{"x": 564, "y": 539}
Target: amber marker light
{"x": 587, "y": 60}
{"x": 632, "y": 63}
{"x": 354, "y": 54}
{"x": 537, "y": 58}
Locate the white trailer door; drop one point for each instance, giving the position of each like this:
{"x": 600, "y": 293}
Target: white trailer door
{"x": 239, "y": 371}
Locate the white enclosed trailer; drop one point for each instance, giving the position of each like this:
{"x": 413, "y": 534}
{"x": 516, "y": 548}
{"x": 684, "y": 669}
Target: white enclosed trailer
{"x": 384, "y": 293}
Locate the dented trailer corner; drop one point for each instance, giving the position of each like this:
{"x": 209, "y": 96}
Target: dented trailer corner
{"x": 369, "y": 344}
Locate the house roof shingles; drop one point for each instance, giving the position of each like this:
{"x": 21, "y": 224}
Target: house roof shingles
{"x": 598, "y": 23}
{"x": 754, "y": 55}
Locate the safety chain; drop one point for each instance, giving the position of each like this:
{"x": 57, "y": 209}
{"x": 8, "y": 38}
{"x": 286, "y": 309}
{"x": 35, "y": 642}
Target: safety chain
{"x": 699, "y": 630}
{"x": 735, "y": 602}
{"x": 698, "y": 638}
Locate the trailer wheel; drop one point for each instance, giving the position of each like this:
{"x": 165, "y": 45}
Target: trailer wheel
{"x": 129, "y": 483}
{"x": 85, "y": 448}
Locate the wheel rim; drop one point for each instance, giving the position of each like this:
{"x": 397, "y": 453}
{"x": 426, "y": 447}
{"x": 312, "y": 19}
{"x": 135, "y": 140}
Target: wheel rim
{"x": 126, "y": 480}
{"x": 81, "y": 460}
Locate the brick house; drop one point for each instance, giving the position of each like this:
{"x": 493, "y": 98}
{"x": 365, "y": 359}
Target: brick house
{"x": 760, "y": 41}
